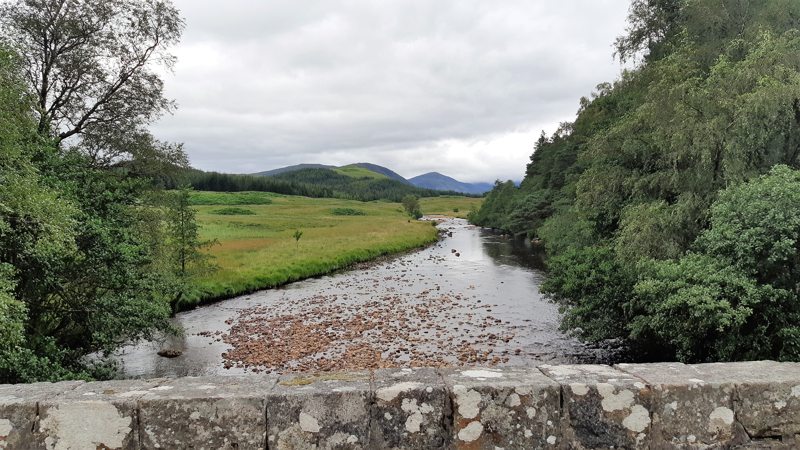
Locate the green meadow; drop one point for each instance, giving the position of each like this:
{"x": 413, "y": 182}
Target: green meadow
{"x": 449, "y": 205}
{"x": 256, "y": 246}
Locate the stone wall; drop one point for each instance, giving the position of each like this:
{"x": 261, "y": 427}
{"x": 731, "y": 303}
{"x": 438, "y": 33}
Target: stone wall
{"x": 734, "y": 405}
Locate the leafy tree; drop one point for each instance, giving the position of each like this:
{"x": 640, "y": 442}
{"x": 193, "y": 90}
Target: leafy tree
{"x": 91, "y": 64}
{"x": 590, "y": 286}
{"x": 80, "y": 272}
{"x": 411, "y": 205}
{"x": 187, "y": 250}
{"x": 297, "y": 235}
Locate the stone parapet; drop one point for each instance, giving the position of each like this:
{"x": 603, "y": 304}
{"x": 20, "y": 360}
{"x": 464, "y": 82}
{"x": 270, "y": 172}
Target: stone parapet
{"x": 749, "y": 405}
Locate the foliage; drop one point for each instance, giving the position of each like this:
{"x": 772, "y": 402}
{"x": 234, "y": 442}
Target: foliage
{"x": 703, "y": 309}
{"x": 81, "y": 248}
{"x": 297, "y": 235}
{"x": 590, "y": 285}
{"x": 347, "y": 212}
{"x": 186, "y": 250}
{"x": 92, "y": 66}
{"x": 233, "y": 211}
{"x": 650, "y": 187}
{"x": 411, "y": 206}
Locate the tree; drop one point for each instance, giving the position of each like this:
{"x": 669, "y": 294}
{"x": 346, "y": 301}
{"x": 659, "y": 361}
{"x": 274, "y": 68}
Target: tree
{"x": 411, "y": 205}
{"x": 188, "y": 255}
{"x": 297, "y": 235}
{"x": 92, "y": 66}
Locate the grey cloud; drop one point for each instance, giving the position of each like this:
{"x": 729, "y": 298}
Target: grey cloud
{"x": 462, "y": 87}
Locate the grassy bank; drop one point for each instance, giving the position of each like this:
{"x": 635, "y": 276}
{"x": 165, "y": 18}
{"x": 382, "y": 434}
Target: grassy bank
{"x": 451, "y": 206}
{"x": 257, "y": 249}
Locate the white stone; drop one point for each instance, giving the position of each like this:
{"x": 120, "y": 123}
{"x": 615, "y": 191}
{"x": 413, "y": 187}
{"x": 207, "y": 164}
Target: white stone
{"x": 579, "y": 389}
{"x": 720, "y": 419}
{"x": 468, "y": 401}
{"x": 638, "y": 420}
{"x": 513, "y": 400}
{"x": 85, "y": 424}
{"x": 796, "y": 391}
{"x": 308, "y": 423}
{"x": 388, "y": 394}
{"x": 531, "y": 412}
{"x": 471, "y": 432}
{"x": 5, "y": 429}
{"x": 482, "y": 374}
{"x": 130, "y": 394}
{"x": 551, "y": 440}
{"x": 614, "y": 402}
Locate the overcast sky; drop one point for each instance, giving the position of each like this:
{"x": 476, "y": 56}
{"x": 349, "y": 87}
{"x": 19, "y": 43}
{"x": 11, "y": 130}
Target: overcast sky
{"x": 461, "y": 87}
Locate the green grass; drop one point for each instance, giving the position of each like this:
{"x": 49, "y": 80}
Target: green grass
{"x": 359, "y": 172}
{"x": 232, "y": 198}
{"x": 258, "y": 251}
{"x": 450, "y": 206}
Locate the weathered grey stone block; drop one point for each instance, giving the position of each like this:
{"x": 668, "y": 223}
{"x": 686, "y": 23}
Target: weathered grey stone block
{"x": 93, "y": 415}
{"x": 691, "y": 408}
{"x": 324, "y": 412}
{"x": 767, "y": 400}
{"x": 508, "y": 408}
{"x": 602, "y": 407}
{"x": 19, "y": 408}
{"x": 208, "y": 412}
{"x": 409, "y": 409}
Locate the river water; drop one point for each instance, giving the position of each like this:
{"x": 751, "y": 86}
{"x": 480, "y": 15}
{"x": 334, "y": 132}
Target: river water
{"x": 471, "y": 299}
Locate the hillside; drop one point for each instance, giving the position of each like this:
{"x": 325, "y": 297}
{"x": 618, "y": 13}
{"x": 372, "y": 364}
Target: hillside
{"x": 353, "y": 183}
{"x": 383, "y": 171}
{"x": 435, "y": 180}
{"x": 286, "y": 169}
{"x": 432, "y": 180}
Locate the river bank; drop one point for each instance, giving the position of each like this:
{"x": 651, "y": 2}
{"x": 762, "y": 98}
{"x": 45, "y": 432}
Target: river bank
{"x": 256, "y": 249}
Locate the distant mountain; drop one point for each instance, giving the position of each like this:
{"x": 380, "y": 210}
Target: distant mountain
{"x": 383, "y": 171}
{"x": 439, "y": 182}
{"x": 270, "y": 173}
{"x": 432, "y": 180}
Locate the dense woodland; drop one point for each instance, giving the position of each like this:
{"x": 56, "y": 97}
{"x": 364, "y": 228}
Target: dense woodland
{"x": 324, "y": 183}
{"x": 670, "y": 207}
{"x": 91, "y": 256}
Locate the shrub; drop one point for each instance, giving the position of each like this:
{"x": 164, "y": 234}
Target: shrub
{"x": 233, "y": 211}
{"x": 348, "y": 212}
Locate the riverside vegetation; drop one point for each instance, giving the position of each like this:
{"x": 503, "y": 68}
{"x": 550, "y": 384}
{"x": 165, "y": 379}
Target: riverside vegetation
{"x": 669, "y": 208}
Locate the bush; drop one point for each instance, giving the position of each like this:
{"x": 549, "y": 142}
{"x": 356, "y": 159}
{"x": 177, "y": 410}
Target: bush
{"x": 592, "y": 289}
{"x": 347, "y": 212}
{"x": 233, "y": 211}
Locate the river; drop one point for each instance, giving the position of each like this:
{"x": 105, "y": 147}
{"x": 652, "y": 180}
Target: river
{"x": 471, "y": 299}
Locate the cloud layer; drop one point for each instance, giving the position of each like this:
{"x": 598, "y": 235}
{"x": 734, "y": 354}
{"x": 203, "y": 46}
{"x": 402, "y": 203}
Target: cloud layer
{"x": 458, "y": 86}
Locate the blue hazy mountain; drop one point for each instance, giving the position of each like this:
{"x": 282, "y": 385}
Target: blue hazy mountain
{"x": 435, "y": 180}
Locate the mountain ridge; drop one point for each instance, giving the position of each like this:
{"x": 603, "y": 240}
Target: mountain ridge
{"x": 430, "y": 180}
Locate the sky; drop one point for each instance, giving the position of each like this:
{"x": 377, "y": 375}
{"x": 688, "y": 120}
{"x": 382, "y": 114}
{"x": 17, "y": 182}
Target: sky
{"x": 461, "y": 87}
